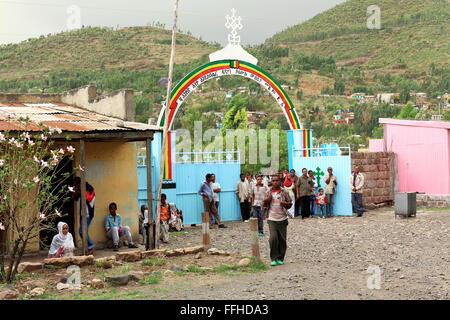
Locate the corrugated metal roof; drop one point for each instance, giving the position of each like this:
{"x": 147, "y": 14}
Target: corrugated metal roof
{"x": 63, "y": 116}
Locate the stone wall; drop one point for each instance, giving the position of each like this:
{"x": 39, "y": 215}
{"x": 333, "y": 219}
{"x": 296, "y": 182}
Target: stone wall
{"x": 379, "y": 172}
{"x": 433, "y": 200}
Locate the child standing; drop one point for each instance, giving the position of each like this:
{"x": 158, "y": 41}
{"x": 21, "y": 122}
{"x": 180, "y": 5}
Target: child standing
{"x": 164, "y": 219}
{"x": 259, "y": 192}
{"x": 321, "y": 202}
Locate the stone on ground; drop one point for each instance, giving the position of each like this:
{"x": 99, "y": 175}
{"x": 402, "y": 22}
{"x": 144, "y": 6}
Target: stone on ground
{"x": 31, "y": 284}
{"x": 198, "y": 255}
{"x": 244, "y": 262}
{"x": 37, "y": 292}
{"x": 136, "y": 275}
{"x": 151, "y": 253}
{"x": 97, "y": 283}
{"x": 175, "y": 267}
{"x": 29, "y": 266}
{"x": 67, "y": 261}
{"x": 129, "y": 256}
{"x": 118, "y": 279}
{"x": 193, "y": 250}
{"x": 62, "y": 286}
{"x": 7, "y": 294}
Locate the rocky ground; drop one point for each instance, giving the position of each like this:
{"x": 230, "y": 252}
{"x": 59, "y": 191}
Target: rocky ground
{"x": 331, "y": 258}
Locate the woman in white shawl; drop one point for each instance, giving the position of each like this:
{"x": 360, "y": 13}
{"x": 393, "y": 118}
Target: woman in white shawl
{"x": 62, "y": 243}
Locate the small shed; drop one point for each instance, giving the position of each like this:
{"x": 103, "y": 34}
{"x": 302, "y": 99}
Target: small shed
{"x": 104, "y": 136}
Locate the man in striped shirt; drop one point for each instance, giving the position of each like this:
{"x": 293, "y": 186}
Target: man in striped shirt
{"x": 258, "y": 194}
{"x": 277, "y": 202}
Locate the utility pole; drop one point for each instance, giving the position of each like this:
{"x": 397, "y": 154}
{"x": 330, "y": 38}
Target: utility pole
{"x": 166, "y": 127}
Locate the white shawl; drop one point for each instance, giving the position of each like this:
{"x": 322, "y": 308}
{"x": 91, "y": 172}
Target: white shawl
{"x": 61, "y": 240}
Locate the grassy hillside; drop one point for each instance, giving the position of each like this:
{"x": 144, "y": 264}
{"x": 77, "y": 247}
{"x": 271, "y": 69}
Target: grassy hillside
{"x": 414, "y": 34}
{"x": 133, "y": 48}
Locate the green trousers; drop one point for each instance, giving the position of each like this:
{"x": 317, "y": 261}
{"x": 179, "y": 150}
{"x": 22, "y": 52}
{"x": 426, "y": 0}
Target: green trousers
{"x": 277, "y": 239}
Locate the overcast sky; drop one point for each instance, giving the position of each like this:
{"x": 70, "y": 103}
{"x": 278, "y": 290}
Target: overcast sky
{"x": 23, "y": 19}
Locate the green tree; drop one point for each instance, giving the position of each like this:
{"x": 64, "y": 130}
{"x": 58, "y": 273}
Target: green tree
{"x": 339, "y": 86}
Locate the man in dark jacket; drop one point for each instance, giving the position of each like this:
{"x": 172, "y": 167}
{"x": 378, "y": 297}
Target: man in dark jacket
{"x": 90, "y": 202}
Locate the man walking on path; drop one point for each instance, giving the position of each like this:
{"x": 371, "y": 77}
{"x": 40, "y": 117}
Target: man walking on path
{"x": 330, "y": 190}
{"x": 277, "y": 202}
{"x": 356, "y": 185}
{"x": 259, "y": 192}
{"x": 304, "y": 187}
{"x": 208, "y": 199}
{"x": 243, "y": 193}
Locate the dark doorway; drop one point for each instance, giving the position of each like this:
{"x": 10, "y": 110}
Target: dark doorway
{"x": 66, "y": 206}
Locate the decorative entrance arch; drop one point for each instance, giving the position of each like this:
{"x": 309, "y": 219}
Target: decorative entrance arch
{"x": 214, "y": 70}
{"x": 220, "y": 68}
{"x": 231, "y": 60}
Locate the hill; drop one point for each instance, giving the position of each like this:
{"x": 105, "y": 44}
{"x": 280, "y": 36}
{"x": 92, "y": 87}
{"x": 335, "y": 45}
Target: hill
{"x": 413, "y": 34}
{"x": 132, "y": 48}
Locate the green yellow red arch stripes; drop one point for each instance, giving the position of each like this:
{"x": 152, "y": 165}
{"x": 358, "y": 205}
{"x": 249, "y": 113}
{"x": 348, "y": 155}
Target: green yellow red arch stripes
{"x": 182, "y": 89}
{"x": 203, "y": 70}
{"x": 306, "y": 141}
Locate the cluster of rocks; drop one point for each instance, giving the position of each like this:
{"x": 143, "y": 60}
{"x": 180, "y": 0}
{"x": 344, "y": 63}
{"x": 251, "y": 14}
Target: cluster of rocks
{"x": 30, "y": 288}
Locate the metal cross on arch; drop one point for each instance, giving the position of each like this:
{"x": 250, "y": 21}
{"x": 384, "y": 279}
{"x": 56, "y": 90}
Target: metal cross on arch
{"x": 234, "y": 23}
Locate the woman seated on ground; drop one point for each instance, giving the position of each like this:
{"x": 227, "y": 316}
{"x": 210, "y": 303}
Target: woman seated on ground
{"x": 176, "y": 218}
{"x": 62, "y": 243}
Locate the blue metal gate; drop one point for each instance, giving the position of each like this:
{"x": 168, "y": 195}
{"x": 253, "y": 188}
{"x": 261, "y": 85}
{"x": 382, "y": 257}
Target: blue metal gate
{"x": 191, "y": 173}
{"x": 190, "y": 170}
{"x": 339, "y": 158}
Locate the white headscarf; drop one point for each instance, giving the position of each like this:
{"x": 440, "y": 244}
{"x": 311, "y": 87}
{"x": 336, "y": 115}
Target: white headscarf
{"x": 61, "y": 240}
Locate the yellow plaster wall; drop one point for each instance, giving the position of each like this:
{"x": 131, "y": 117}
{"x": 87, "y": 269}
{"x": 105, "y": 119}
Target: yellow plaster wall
{"x": 111, "y": 170}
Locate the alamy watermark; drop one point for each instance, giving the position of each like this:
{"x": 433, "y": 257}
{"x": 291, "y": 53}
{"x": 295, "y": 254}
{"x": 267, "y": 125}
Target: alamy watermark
{"x": 374, "y": 280}
{"x": 262, "y": 146}
{"x": 74, "y": 19}
{"x": 374, "y": 19}
{"x": 74, "y": 277}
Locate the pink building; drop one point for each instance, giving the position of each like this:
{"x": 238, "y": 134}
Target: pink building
{"x": 423, "y": 153}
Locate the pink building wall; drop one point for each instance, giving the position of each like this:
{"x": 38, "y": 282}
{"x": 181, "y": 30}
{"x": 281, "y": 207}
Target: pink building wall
{"x": 376, "y": 145}
{"x": 423, "y": 154}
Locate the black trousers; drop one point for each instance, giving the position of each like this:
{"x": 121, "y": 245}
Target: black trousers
{"x": 305, "y": 206}
{"x": 297, "y": 207}
{"x": 277, "y": 239}
{"x": 357, "y": 204}
{"x": 245, "y": 210}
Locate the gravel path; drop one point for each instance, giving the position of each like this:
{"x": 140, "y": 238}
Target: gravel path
{"x": 329, "y": 258}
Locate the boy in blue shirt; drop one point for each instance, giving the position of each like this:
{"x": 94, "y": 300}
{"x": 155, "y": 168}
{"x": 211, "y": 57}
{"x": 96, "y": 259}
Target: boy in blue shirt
{"x": 114, "y": 228}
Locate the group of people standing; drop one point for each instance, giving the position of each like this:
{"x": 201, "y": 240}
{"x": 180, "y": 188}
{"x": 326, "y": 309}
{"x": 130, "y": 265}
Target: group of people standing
{"x": 306, "y": 197}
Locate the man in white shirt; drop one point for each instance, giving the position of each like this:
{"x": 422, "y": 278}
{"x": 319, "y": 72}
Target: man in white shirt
{"x": 356, "y": 185}
{"x": 243, "y": 194}
{"x": 330, "y": 190}
{"x": 215, "y": 186}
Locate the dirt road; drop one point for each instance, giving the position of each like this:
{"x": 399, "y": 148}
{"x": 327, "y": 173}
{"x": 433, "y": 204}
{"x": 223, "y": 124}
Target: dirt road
{"x": 329, "y": 259}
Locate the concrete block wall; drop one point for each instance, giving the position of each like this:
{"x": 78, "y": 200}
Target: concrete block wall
{"x": 379, "y": 171}
{"x": 433, "y": 200}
